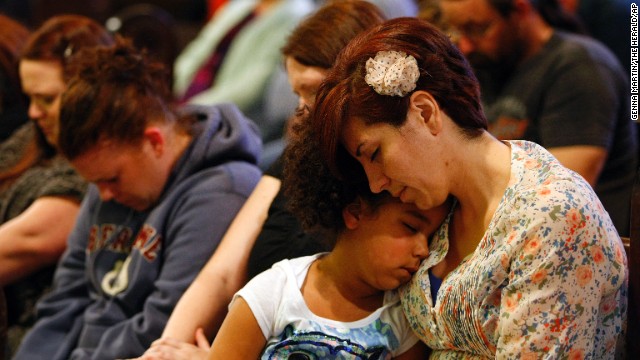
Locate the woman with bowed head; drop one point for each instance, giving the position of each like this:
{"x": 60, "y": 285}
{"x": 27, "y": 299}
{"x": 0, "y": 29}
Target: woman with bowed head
{"x": 528, "y": 263}
{"x": 41, "y": 192}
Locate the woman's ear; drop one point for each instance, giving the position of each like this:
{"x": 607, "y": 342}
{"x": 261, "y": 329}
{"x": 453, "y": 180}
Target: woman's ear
{"x": 351, "y": 214}
{"x": 424, "y": 107}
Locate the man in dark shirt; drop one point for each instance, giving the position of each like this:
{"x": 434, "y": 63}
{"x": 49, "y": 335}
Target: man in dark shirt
{"x": 566, "y": 92}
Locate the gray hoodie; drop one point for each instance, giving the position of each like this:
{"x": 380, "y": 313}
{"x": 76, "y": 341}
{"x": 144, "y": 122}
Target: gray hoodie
{"x": 124, "y": 271}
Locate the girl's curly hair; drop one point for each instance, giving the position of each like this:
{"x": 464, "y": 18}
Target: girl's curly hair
{"x": 314, "y": 194}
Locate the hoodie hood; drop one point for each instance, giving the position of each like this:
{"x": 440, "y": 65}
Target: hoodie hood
{"x": 221, "y": 134}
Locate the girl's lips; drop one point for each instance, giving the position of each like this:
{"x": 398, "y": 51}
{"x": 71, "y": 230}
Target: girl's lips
{"x": 412, "y": 269}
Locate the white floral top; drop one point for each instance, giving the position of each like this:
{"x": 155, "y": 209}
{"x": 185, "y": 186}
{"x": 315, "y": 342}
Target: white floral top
{"x": 548, "y": 279}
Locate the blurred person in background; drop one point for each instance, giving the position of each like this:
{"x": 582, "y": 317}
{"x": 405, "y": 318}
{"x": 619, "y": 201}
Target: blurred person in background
{"x": 41, "y": 192}
{"x": 564, "y": 91}
{"x": 236, "y": 58}
{"x": 604, "y": 20}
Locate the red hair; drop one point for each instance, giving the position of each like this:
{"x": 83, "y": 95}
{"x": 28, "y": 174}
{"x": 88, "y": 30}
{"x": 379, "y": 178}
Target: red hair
{"x": 444, "y": 73}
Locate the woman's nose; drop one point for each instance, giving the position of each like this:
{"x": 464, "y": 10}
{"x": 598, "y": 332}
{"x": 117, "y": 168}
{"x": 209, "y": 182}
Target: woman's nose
{"x": 34, "y": 111}
{"x": 378, "y": 182}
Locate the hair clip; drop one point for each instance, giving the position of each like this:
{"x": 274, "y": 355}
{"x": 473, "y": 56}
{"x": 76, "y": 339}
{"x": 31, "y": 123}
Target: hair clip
{"x": 392, "y": 73}
{"x": 68, "y": 51}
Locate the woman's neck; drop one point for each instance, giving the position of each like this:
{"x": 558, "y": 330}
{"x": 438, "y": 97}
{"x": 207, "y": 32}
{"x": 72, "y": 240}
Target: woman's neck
{"x": 480, "y": 182}
{"x": 482, "y": 176}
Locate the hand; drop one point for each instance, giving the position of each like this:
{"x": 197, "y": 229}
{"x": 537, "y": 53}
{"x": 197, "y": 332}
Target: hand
{"x": 172, "y": 349}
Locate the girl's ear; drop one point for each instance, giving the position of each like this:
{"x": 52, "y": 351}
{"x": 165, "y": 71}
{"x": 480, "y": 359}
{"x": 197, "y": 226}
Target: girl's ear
{"x": 352, "y": 214}
{"x": 423, "y": 107}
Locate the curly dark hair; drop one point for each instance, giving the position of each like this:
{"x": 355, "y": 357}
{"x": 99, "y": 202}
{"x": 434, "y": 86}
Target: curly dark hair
{"x": 315, "y": 195}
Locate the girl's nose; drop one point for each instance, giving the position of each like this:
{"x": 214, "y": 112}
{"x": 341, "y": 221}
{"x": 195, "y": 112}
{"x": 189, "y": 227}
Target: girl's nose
{"x": 421, "y": 250}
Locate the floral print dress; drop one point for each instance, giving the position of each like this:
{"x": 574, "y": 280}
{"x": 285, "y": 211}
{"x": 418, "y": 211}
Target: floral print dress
{"x": 548, "y": 279}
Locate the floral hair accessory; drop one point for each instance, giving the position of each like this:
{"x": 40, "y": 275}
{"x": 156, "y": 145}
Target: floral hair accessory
{"x": 392, "y": 73}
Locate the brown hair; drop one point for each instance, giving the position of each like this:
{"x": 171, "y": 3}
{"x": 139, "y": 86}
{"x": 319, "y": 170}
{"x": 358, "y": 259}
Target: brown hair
{"x": 115, "y": 93}
{"x": 55, "y": 40}
{"x": 444, "y": 73}
{"x": 63, "y": 36}
{"x": 318, "y": 39}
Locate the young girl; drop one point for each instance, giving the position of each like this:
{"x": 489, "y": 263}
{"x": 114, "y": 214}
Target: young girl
{"x": 340, "y": 304}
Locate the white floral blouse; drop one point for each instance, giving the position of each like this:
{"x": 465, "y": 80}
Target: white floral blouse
{"x": 548, "y": 279}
